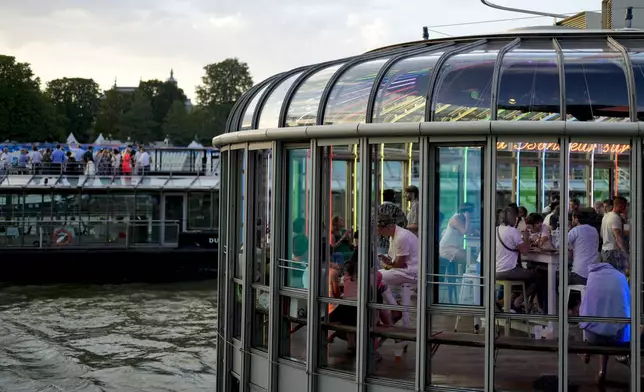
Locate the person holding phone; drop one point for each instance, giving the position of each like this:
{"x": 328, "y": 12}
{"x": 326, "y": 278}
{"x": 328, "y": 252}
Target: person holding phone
{"x": 451, "y": 243}
{"x": 342, "y": 240}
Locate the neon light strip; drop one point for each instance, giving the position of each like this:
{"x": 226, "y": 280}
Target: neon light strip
{"x": 592, "y": 178}
{"x": 382, "y": 171}
{"x": 616, "y": 175}
{"x": 543, "y": 176}
{"x": 519, "y": 174}
{"x": 465, "y": 189}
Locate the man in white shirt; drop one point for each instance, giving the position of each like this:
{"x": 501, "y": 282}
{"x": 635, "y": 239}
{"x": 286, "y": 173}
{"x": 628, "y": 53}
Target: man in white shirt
{"x": 400, "y": 264}
{"x": 583, "y": 241}
{"x": 612, "y": 230}
{"x": 143, "y": 161}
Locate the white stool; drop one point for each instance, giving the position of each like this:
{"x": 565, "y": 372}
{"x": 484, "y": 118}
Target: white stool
{"x": 406, "y": 301}
{"x": 507, "y": 293}
{"x": 582, "y": 290}
{"x": 575, "y": 287}
{"x": 470, "y": 294}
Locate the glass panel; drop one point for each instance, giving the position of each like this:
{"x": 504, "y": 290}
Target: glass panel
{"x": 146, "y": 229}
{"x": 97, "y": 182}
{"x": 125, "y": 182}
{"x": 152, "y": 182}
{"x": 70, "y": 181}
{"x": 259, "y": 330}
{"x": 16, "y": 180}
{"x": 402, "y": 95}
{"x": 393, "y": 270}
{"x": 636, "y": 53}
{"x": 262, "y": 161}
{"x": 173, "y": 210}
{"x": 271, "y": 111}
{"x": 179, "y": 183}
{"x": 340, "y": 219}
{"x": 598, "y": 282}
{"x": 200, "y": 208}
{"x": 293, "y": 329}
{"x": 237, "y": 310}
{"x": 464, "y": 85}
{"x": 42, "y": 181}
{"x": 205, "y": 183}
{"x": 529, "y": 83}
{"x": 295, "y": 265}
{"x": 459, "y": 213}
{"x": 303, "y": 108}
{"x": 350, "y": 94}
{"x": 247, "y": 121}
{"x": 596, "y": 87}
{"x": 527, "y": 260}
{"x": 239, "y": 176}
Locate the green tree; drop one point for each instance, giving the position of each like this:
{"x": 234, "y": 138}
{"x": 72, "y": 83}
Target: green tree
{"x": 77, "y": 101}
{"x": 178, "y": 125}
{"x": 25, "y": 113}
{"x": 112, "y": 107}
{"x": 162, "y": 95}
{"x": 224, "y": 82}
{"x": 137, "y": 123}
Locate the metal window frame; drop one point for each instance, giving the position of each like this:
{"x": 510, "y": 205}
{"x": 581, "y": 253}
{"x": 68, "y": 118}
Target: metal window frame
{"x": 306, "y": 75}
{"x": 248, "y": 301}
{"x": 489, "y": 253}
{"x": 373, "y": 94}
{"x": 637, "y": 252}
{"x": 234, "y": 118}
{"x": 315, "y": 247}
{"x": 328, "y": 89}
{"x": 630, "y": 76}
{"x": 427, "y": 245}
{"x": 438, "y": 66}
{"x": 239, "y": 119}
{"x": 269, "y": 91}
{"x": 564, "y": 181}
{"x": 496, "y": 77}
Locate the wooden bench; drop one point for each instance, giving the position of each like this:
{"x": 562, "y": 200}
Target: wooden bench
{"x": 522, "y": 343}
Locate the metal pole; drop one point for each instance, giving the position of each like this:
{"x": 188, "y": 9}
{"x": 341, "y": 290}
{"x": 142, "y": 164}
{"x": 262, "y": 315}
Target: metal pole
{"x": 529, "y": 12}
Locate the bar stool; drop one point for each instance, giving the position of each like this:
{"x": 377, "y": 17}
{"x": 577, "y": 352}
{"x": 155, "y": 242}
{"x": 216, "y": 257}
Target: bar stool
{"x": 576, "y": 287}
{"x": 507, "y": 293}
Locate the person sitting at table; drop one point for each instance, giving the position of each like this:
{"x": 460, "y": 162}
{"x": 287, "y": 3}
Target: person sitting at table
{"x": 510, "y": 244}
{"x": 450, "y": 246}
{"x": 347, "y": 314}
{"x": 523, "y": 214}
{"x": 583, "y": 241}
{"x": 521, "y": 224}
{"x": 342, "y": 238}
{"x": 539, "y": 234}
{"x": 607, "y": 295}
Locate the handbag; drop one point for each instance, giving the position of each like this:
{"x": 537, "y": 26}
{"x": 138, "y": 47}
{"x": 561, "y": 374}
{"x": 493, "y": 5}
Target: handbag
{"x": 498, "y": 235}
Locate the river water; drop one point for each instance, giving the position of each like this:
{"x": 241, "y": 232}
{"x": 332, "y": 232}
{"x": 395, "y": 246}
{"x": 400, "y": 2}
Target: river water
{"x": 134, "y": 337}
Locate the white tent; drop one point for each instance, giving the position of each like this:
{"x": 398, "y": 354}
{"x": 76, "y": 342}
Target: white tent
{"x": 195, "y": 144}
{"x": 100, "y": 139}
{"x": 71, "y": 139}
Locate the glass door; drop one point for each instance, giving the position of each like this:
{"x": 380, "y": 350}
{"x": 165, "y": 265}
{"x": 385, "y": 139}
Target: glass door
{"x": 173, "y": 217}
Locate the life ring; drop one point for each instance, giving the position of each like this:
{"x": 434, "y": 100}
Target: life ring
{"x": 61, "y": 237}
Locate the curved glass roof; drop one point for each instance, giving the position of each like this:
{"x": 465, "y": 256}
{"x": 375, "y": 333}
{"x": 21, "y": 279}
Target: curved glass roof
{"x": 538, "y": 76}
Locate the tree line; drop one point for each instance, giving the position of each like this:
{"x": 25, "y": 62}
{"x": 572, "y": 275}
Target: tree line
{"x": 153, "y": 111}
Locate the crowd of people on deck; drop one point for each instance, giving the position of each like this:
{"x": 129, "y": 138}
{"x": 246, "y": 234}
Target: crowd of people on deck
{"x": 104, "y": 161}
{"x": 598, "y": 239}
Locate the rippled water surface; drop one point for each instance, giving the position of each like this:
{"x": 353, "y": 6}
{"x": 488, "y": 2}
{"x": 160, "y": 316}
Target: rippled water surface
{"x": 108, "y": 338}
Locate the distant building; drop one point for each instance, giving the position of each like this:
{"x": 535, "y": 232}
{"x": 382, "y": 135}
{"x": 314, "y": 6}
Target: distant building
{"x": 131, "y": 90}
{"x": 612, "y": 16}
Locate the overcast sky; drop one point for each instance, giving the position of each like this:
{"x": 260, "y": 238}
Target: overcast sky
{"x": 134, "y": 39}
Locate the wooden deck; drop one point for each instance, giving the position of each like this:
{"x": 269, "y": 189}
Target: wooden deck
{"x": 456, "y": 366}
